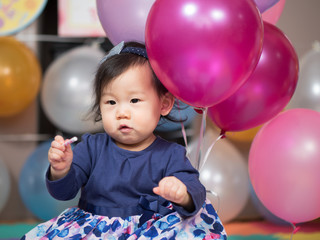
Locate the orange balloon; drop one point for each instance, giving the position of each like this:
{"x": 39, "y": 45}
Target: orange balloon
{"x": 243, "y": 136}
{"x": 239, "y": 136}
{"x": 20, "y": 76}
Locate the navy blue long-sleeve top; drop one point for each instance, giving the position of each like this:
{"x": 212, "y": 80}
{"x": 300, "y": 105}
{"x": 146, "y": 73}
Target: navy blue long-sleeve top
{"x": 115, "y": 182}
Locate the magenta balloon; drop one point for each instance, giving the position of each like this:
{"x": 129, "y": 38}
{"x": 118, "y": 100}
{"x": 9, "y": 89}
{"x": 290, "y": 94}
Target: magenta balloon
{"x": 284, "y": 163}
{"x": 203, "y": 50}
{"x": 264, "y": 5}
{"x": 124, "y": 20}
{"x": 267, "y": 91}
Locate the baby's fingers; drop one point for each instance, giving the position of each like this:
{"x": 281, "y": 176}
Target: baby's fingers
{"x": 55, "y": 154}
{"x": 171, "y": 189}
{"x": 58, "y": 144}
{"x": 59, "y": 139}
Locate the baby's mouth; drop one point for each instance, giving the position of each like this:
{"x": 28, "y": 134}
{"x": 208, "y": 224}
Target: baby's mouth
{"x": 125, "y": 128}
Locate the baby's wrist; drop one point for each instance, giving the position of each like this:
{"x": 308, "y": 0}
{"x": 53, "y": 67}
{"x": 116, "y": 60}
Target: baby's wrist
{"x": 56, "y": 174}
{"x": 187, "y": 203}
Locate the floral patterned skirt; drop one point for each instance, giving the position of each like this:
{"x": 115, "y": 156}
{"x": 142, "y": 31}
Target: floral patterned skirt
{"x": 75, "y": 223}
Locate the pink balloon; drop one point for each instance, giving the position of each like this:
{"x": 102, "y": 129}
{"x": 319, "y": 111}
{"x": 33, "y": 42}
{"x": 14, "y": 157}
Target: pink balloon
{"x": 273, "y": 14}
{"x": 284, "y": 163}
{"x": 267, "y": 91}
{"x": 264, "y": 5}
{"x": 124, "y": 20}
{"x": 203, "y": 50}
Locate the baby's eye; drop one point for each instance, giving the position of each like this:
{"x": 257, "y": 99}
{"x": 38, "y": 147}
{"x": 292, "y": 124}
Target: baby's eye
{"x": 135, "y": 100}
{"x": 111, "y": 102}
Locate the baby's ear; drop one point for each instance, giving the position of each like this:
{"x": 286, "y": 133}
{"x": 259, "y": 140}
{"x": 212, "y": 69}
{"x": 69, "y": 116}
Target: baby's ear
{"x": 167, "y": 101}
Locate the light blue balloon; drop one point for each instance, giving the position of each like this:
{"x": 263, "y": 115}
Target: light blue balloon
{"x": 32, "y": 186}
{"x": 186, "y": 113}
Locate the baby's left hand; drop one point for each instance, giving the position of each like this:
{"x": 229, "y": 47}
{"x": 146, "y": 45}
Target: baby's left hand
{"x": 172, "y": 189}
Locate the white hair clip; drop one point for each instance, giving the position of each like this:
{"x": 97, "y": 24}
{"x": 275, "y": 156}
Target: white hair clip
{"x": 114, "y": 51}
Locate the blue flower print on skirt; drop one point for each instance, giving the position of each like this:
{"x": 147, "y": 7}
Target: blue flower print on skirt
{"x": 75, "y": 224}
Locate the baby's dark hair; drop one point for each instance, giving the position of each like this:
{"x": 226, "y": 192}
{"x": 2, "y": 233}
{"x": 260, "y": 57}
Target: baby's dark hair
{"x": 113, "y": 67}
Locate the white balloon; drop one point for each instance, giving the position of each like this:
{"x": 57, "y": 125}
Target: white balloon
{"x": 307, "y": 93}
{"x": 5, "y": 185}
{"x": 67, "y": 90}
{"x": 225, "y": 173}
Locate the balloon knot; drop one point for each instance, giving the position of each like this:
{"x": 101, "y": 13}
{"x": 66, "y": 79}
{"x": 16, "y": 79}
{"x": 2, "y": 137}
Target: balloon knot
{"x": 295, "y": 228}
{"x": 223, "y": 134}
{"x": 199, "y": 110}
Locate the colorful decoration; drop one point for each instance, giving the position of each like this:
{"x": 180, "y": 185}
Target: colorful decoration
{"x": 15, "y": 15}
{"x": 78, "y": 18}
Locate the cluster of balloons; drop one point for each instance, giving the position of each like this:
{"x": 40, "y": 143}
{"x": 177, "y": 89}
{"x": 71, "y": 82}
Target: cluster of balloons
{"x": 32, "y": 186}
{"x": 244, "y": 70}
{"x": 293, "y": 137}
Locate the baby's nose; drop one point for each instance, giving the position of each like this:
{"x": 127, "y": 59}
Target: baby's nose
{"x": 123, "y": 112}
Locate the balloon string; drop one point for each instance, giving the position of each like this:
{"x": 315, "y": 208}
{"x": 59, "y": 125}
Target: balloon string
{"x": 210, "y": 148}
{"x": 222, "y": 135}
{"x": 202, "y": 131}
{"x": 183, "y": 130}
{"x": 217, "y": 196}
{"x": 198, "y": 153}
{"x": 295, "y": 229}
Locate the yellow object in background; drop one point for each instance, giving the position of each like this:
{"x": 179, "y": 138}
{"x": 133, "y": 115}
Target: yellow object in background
{"x": 15, "y": 15}
{"x": 243, "y": 136}
{"x": 20, "y": 76}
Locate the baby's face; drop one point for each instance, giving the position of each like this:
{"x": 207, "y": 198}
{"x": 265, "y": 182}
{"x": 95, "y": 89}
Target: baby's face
{"x": 131, "y": 108}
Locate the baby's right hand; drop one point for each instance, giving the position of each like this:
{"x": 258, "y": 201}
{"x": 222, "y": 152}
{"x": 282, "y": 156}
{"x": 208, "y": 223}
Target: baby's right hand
{"x": 60, "y": 158}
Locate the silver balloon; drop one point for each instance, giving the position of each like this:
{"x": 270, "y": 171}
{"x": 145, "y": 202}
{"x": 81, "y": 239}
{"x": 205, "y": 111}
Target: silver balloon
{"x": 225, "y": 174}
{"x": 5, "y": 185}
{"x": 307, "y": 93}
{"x": 67, "y": 90}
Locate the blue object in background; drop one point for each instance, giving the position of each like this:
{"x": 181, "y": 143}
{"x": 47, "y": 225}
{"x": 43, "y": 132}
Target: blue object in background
{"x": 186, "y": 113}
{"x": 32, "y": 186}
